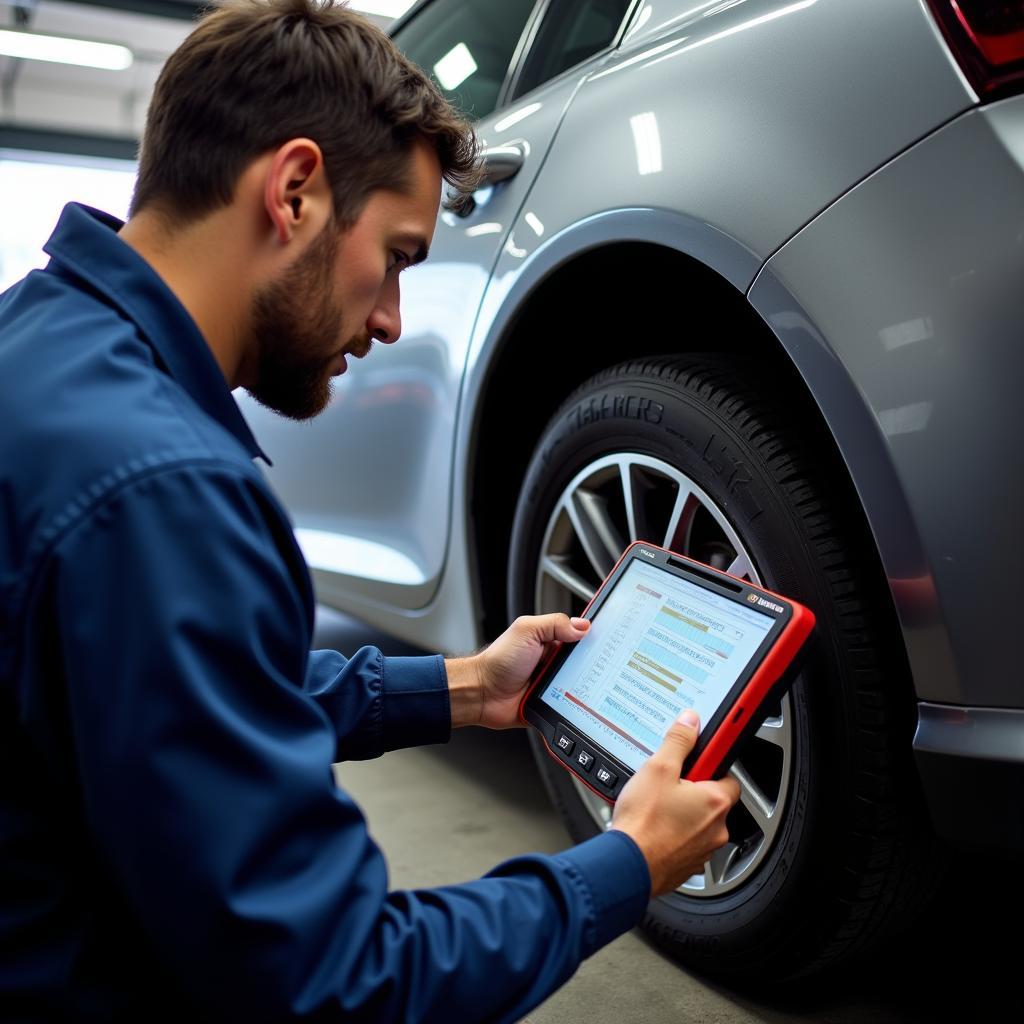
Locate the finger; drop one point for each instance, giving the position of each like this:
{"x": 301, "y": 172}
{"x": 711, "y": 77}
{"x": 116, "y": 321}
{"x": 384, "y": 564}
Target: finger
{"x": 722, "y": 793}
{"x": 679, "y": 740}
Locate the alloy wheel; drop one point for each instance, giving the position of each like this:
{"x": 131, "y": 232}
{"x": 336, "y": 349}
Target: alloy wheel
{"x": 620, "y": 498}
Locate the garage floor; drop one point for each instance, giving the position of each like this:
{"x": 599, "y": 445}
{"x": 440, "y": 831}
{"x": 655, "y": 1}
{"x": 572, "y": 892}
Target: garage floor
{"x": 449, "y": 813}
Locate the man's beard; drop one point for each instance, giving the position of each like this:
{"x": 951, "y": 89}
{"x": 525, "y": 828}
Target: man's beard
{"x": 292, "y": 322}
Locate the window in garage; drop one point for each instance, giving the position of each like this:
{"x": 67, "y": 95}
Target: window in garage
{"x": 34, "y": 188}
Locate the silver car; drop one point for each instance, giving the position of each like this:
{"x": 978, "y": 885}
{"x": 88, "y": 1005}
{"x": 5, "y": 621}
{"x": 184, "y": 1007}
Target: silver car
{"x": 745, "y": 281}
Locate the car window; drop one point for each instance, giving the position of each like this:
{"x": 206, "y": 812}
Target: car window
{"x": 467, "y": 46}
{"x": 572, "y": 31}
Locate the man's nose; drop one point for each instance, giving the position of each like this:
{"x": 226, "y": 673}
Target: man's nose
{"x": 385, "y": 322}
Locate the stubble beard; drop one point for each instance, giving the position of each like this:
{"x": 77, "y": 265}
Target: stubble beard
{"x": 292, "y": 322}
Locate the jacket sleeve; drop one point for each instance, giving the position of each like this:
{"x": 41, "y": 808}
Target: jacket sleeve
{"x": 378, "y": 704}
{"x": 205, "y": 776}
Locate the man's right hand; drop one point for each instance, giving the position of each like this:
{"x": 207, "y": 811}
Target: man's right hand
{"x": 677, "y": 824}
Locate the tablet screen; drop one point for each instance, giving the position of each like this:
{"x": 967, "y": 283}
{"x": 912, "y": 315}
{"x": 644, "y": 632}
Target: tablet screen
{"x": 657, "y": 645}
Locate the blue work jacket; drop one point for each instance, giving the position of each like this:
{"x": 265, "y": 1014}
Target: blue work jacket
{"x": 172, "y": 841}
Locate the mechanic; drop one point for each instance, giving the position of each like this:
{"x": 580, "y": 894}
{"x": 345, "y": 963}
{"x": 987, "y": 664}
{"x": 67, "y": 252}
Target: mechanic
{"x": 173, "y": 845}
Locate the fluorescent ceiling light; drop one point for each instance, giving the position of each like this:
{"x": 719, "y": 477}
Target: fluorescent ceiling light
{"x": 455, "y": 67}
{"x": 382, "y": 8}
{"x": 60, "y": 50}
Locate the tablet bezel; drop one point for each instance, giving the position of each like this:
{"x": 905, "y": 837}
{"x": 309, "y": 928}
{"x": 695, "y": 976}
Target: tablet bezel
{"x": 785, "y": 614}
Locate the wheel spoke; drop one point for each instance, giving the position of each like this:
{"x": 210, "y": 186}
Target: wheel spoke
{"x": 598, "y": 534}
{"x": 676, "y": 522}
{"x": 586, "y": 541}
{"x": 718, "y": 866}
{"x": 571, "y": 581}
{"x": 760, "y": 808}
{"x": 627, "y": 497}
{"x": 774, "y": 731}
{"x": 595, "y": 513}
{"x": 740, "y": 566}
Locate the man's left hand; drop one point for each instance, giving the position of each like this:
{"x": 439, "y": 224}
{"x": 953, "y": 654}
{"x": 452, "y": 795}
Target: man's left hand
{"x": 486, "y": 688}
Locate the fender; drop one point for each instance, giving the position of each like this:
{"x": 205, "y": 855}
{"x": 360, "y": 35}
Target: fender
{"x": 848, "y": 419}
{"x": 868, "y": 459}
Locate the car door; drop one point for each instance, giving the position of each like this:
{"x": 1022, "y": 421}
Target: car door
{"x": 368, "y": 481}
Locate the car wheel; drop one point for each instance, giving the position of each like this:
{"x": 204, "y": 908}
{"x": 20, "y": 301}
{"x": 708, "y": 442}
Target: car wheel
{"x": 717, "y": 462}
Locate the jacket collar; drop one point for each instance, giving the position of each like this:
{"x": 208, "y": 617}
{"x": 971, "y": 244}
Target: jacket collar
{"x": 85, "y": 242}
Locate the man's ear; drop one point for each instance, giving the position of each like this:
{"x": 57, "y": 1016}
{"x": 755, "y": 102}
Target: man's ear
{"x": 296, "y": 194}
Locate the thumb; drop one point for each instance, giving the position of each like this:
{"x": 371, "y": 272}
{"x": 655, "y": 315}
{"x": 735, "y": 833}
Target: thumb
{"x": 679, "y": 740}
{"x": 554, "y": 626}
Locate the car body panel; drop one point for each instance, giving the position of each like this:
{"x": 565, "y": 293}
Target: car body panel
{"x": 715, "y": 121}
{"x": 902, "y": 302}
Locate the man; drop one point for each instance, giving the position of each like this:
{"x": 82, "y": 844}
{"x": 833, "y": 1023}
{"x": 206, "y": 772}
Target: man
{"x": 172, "y": 844}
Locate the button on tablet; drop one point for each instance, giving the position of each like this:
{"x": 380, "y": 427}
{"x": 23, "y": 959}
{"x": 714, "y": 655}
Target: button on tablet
{"x": 564, "y": 742}
{"x": 585, "y": 759}
{"x": 606, "y": 776}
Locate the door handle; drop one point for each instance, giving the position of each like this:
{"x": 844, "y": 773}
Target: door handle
{"x": 502, "y": 162}
{"x": 499, "y": 163}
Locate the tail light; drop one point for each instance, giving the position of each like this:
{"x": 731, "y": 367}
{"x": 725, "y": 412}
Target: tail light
{"x": 987, "y": 38}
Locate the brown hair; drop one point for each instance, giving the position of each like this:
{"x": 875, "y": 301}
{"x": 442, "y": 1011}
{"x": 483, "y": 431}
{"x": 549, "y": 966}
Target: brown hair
{"x": 255, "y": 73}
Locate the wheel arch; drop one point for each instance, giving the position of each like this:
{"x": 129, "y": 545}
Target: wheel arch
{"x": 603, "y": 296}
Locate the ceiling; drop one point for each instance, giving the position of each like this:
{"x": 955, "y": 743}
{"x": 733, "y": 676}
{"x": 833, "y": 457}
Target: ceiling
{"x": 39, "y": 99}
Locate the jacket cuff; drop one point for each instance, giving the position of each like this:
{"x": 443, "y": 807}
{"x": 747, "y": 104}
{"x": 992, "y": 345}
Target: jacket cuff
{"x": 414, "y": 699}
{"x": 611, "y": 868}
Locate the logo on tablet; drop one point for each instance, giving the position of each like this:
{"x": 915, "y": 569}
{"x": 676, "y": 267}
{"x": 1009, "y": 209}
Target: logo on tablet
{"x": 644, "y": 551}
{"x": 755, "y": 599}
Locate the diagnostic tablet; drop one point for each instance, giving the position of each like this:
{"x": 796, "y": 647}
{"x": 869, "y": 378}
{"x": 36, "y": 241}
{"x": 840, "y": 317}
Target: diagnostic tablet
{"x": 666, "y": 634}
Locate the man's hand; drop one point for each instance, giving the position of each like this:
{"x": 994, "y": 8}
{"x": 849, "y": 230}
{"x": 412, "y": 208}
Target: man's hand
{"x": 677, "y": 824}
{"x": 486, "y": 688}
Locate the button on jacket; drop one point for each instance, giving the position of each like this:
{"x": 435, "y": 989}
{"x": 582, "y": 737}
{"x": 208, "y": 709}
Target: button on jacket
{"x": 172, "y": 841}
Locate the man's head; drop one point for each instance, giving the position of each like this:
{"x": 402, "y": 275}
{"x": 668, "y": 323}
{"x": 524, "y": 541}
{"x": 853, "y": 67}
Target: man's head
{"x": 341, "y": 293}
{"x": 309, "y": 112}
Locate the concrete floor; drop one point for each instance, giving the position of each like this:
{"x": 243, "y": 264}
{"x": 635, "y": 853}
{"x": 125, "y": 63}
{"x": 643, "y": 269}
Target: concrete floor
{"x": 449, "y": 813}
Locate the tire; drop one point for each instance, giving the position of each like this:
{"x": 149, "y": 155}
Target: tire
{"x": 845, "y": 853}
